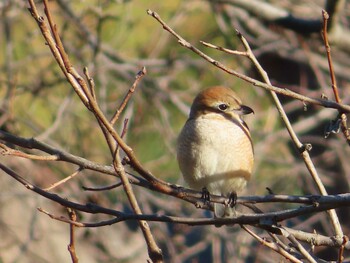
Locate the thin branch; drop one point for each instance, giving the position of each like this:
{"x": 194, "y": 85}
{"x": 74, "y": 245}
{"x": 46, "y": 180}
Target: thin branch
{"x": 127, "y": 97}
{"x": 59, "y": 155}
{"x": 343, "y": 117}
{"x": 56, "y": 52}
{"x": 66, "y": 179}
{"x": 104, "y": 188}
{"x": 228, "y": 51}
{"x": 341, "y": 249}
{"x": 272, "y": 245}
{"x": 124, "y": 131}
{"x": 316, "y": 239}
{"x": 8, "y": 151}
{"x": 79, "y": 224}
{"x": 301, "y": 249}
{"x": 286, "y": 92}
{"x": 90, "y": 81}
{"x": 71, "y": 246}
{"x": 329, "y": 57}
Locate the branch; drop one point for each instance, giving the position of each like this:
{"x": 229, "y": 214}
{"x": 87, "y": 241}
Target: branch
{"x": 259, "y": 220}
{"x": 324, "y": 203}
{"x": 66, "y": 179}
{"x": 180, "y": 192}
{"x": 71, "y": 246}
{"x": 274, "y": 246}
{"x": 285, "y": 92}
{"x": 55, "y": 154}
{"x": 87, "y": 96}
{"x": 127, "y": 97}
{"x": 343, "y": 117}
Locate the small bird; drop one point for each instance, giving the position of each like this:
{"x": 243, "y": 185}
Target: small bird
{"x": 214, "y": 148}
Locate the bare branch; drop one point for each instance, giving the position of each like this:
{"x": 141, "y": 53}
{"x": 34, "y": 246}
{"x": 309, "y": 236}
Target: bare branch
{"x": 109, "y": 187}
{"x": 275, "y": 247}
{"x": 343, "y": 117}
{"x": 71, "y": 246}
{"x": 127, "y": 97}
{"x": 64, "y": 180}
{"x": 286, "y": 92}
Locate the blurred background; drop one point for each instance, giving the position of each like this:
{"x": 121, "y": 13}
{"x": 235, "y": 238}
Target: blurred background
{"x": 115, "y": 39}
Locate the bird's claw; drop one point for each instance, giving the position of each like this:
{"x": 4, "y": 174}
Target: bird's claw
{"x": 205, "y": 195}
{"x": 232, "y": 200}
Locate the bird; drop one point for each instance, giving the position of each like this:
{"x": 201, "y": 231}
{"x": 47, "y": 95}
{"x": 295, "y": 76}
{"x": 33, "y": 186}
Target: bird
{"x": 214, "y": 148}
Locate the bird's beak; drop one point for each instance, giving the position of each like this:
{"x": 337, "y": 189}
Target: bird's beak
{"x": 244, "y": 110}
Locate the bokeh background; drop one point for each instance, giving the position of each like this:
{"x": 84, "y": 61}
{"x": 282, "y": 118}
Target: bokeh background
{"x": 115, "y": 39}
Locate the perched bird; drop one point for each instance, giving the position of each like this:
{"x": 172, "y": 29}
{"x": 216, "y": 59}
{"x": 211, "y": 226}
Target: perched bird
{"x": 214, "y": 148}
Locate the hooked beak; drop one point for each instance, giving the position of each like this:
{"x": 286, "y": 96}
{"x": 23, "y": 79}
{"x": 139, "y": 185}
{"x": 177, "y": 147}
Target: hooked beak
{"x": 244, "y": 110}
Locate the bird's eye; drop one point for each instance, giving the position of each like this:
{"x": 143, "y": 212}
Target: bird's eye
{"x": 223, "y": 107}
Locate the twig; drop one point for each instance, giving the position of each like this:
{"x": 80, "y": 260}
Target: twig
{"x": 272, "y": 245}
{"x": 124, "y": 131}
{"x": 301, "y": 249}
{"x": 341, "y": 249}
{"x": 109, "y": 187}
{"x": 64, "y": 180}
{"x": 286, "y": 92}
{"x": 316, "y": 239}
{"x": 8, "y": 151}
{"x": 125, "y": 128}
{"x": 229, "y": 51}
{"x": 56, "y": 36}
{"x": 127, "y": 97}
{"x": 71, "y": 246}
{"x": 56, "y": 52}
{"x": 154, "y": 251}
{"x": 325, "y": 17}
{"x": 79, "y": 224}
{"x": 343, "y": 117}
{"x": 90, "y": 81}
{"x": 59, "y": 155}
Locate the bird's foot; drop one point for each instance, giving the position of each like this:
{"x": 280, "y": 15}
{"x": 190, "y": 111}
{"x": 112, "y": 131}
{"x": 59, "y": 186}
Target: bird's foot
{"x": 205, "y": 195}
{"x": 232, "y": 200}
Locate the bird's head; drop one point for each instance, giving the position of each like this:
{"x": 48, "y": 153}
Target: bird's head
{"x": 220, "y": 100}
